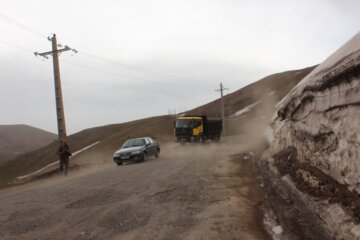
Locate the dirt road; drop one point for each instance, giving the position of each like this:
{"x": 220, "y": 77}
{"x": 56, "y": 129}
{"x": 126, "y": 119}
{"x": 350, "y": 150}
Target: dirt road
{"x": 191, "y": 192}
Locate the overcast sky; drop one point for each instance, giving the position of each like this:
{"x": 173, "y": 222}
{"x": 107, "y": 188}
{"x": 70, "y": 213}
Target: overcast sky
{"x": 167, "y": 54}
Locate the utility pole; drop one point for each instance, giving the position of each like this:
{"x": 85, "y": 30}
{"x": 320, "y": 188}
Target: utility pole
{"x": 222, "y": 105}
{"x": 57, "y": 81}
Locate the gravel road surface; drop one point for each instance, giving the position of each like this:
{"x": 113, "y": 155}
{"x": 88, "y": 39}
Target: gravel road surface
{"x": 190, "y": 192}
{"x": 209, "y": 191}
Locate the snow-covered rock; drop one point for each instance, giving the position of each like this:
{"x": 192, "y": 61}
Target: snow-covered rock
{"x": 320, "y": 117}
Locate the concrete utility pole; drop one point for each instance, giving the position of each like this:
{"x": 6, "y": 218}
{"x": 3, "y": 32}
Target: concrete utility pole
{"x": 58, "y": 92}
{"x": 222, "y": 106}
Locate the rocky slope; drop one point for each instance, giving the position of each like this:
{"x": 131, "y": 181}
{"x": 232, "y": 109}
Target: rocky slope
{"x": 316, "y": 135}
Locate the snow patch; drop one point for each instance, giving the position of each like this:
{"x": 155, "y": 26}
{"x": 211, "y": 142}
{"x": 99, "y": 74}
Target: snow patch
{"x": 277, "y": 230}
{"x": 271, "y": 225}
{"x": 244, "y": 110}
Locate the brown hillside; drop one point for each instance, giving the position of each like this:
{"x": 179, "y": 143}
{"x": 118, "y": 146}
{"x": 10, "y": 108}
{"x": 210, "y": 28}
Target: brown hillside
{"x": 280, "y": 84}
{"x": 19, "y": 139}
{"x": 263, "y": 95}
{"x": 5, "y": 157}
{"x": 112, "y": 136}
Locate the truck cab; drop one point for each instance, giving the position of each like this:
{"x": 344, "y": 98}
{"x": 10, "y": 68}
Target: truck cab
{"x": 188, "y": 129}
{"x": 197, "y": 129}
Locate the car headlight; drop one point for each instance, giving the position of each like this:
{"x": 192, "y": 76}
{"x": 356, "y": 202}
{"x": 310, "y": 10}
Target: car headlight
{"x": 136, "y": 152}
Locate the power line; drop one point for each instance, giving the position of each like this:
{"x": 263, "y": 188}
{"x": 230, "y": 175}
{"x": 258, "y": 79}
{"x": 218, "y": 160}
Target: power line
{"x": 136, "y": 68}
{"x": 119, "y": 63}
{"x": 15, "y": 46}
{"x": 24, "y": 27}
{"x": 20, "y": 25}
{"x": 122, "y": 75}
{"x": 97, "y": 69}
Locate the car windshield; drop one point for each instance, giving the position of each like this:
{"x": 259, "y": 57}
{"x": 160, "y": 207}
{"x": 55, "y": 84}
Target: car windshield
{"x": 187, "y": 123}
{"x": 134, "y": 143}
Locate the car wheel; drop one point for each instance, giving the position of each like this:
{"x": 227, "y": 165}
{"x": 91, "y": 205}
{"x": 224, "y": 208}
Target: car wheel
{"x": 119, "y": 163}
{"x": 157, "y": 154}
{"x": 144, "y": 157}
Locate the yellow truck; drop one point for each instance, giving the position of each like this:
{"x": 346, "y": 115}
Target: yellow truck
{"x": 197, "y": 129}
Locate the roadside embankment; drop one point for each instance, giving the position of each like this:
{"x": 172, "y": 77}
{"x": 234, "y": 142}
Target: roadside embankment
{"x": 315, "y": 140}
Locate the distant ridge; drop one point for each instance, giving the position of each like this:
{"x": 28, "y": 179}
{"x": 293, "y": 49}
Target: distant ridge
{"x": 20, "y": 138}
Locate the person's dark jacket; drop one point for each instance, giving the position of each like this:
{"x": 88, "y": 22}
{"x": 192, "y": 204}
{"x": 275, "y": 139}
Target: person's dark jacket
{"x": 64, "y": 151}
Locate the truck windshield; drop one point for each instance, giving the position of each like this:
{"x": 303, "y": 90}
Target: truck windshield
{"x": 187, "y": 123}
{"x": 184, "y": 123}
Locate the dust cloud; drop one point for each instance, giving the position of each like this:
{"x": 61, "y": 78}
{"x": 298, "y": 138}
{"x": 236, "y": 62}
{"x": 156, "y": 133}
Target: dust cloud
{"x": 243, "y": 134}
{"x": 253, "y": 125}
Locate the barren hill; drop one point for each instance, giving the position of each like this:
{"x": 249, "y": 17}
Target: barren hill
{"x": 266, "y": 92}
{"x": 276, "y": 85}
{"x": 249, "y": 109}
{"x": 109, "y": 136}
{"x": 18, "y": 139}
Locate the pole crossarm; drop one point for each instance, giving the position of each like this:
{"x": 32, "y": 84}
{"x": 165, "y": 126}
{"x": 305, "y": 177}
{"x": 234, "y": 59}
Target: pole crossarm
{"x": 222, "y": 88}
{"x": 58, "y": 51}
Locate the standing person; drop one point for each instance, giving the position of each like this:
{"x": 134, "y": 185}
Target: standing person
{"x": 64, "y": 154}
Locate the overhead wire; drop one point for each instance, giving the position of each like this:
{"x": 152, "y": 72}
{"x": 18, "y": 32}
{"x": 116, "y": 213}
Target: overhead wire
{"x": 26, "y": 28}
{"x": 135, "y": 68}
{"x": 20, "y": 25}
{"x": 118, "y": 63}
{"x": 96, "y": 69}
{"x": 15, "y": 46}
{"x": 122, "y": 75}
